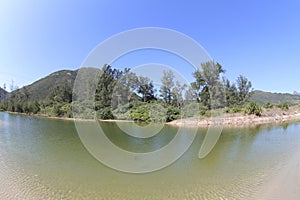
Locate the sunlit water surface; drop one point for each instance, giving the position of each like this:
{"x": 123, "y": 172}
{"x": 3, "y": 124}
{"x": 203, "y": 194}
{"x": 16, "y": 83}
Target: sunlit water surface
{"x": 45, "y": 159}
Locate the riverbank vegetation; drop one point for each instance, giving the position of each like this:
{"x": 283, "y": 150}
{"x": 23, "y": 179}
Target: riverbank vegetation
{"x": 121, "y": 94}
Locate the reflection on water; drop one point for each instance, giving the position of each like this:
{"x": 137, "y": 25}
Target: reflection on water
{"x": 44, "y": 158}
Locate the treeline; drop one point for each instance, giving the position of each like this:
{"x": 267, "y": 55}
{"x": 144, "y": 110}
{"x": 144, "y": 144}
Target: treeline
{"x": 121, "y": 94}
{"x": 58, "y": 102}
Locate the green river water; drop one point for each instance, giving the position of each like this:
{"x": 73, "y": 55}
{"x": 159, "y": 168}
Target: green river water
{"x": 44, "y": 159}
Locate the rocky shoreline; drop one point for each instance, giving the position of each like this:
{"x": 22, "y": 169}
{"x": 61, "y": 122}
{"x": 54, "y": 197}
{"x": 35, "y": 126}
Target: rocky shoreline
{"x": 240, "y": 120}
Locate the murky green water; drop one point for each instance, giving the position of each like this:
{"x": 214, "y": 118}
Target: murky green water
{"x": 45, "y": 159}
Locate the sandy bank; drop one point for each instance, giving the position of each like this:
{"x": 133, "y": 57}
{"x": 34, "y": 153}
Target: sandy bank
{"x": 232, "y": 120}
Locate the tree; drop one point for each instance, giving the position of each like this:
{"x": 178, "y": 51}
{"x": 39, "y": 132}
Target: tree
{"x": 146, "y": 89}
{"x": 209, "y": 88}
{"x": 105, "y": 87}
{"x": 177, "y": 93}
{"x": 167, "y": 86}
{"x": 190, "y": 95}
{"x": 244, "y": 88}
{"x": 231, "y": 94}
{"x": 61, "y": 94}
{"x": 34, "y": 107}
{"x": 124, "y": 88}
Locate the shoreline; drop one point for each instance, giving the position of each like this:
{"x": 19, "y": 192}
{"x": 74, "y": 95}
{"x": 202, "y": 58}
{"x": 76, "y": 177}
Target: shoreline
{"x": 40, "y": 116}
{"x": 240, "y": 120}
{"x": 226, "y": 120}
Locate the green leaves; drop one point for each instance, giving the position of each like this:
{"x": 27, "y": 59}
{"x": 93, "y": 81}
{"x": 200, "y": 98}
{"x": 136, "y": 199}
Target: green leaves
{"x": 253, "y": 109}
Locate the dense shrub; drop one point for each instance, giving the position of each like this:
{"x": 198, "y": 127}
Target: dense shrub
{"x": 105, "y": 113}
{"x": 268, "y": 105}
{"x": 284, "y": 106}
{"x": 235, "y": 109}
{"x": 253, "y": 109}
{"x": 203, "y": 109}
{"x": 140, "y": 113}
{"x": 172, "y": 113}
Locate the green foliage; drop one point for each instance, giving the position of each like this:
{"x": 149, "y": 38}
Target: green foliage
{"x": 231, "y": 94}
{"x": 262, "y": 97}
{"x": 177, "y": 92}
{"x": 83, "y": 109}
{"x": 209, "y": 89}
{"x": 105, "y": 87}
{"x": 152, "y": 112}
{"x": 146, "y": 89}
{"x": 167, "y": 86}
{"x": 234, "y": 109}
{"x": 284, "y": 106}
{"x": 105, "y": 113}
{"x": 244, "y": 89}
{"x": 190, "y": 109}
{"x": 203, "y": 109}
{"x": 66, "y": 110}
{"x": 268, "y": 105}
{"x": 237, "y": 94}
{"x": 141, "y": 113}
{"x": 253, "y": 108}
{"x": 61, "y": 94}
{"x": 172, "y": 113}
{"x": 122, "y": 94}
{"x": 57, "y": 111}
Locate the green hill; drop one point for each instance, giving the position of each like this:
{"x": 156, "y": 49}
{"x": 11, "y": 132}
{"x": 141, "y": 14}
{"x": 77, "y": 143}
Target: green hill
{"x": 3, "y": 93}
{"x": 40, "y": 89}
{"x": 262, "y": 97}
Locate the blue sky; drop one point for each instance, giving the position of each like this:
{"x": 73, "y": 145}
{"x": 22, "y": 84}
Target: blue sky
{"x": 256, "y": 38}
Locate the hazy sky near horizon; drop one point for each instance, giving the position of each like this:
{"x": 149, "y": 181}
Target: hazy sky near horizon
{"x": 256, "y": 38}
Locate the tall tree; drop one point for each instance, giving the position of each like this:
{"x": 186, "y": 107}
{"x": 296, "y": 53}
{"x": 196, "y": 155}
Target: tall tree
{"x": 177, "y": 93}
{"x": 105, "y": 87}
{"x": 231, "y": 93}
{"x": 146, "y": 89}
{"x": 208, "y": 85}
{"x": 124, "y": 88}
{"x": 244, "y": 87}
{"x": 167, "y": 86}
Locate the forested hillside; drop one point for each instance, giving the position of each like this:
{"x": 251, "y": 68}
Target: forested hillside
{"x": 262, "y": 97}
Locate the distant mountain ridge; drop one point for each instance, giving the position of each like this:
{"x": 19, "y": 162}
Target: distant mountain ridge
{"x": 262, "y": 97}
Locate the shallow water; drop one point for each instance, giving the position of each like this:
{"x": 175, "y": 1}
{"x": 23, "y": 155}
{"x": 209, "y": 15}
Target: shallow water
{"x": 45, "y": 159}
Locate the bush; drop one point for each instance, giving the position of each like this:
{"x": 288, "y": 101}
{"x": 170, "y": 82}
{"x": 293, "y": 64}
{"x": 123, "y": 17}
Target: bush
{"x": 34, "y": 107}
{"x": 253, "y": 109}
{"x": 234, "y": 109}
{"x": 67, "y": 110}
{"x": 284, "y": 106}
{"x": 203, "y": 109}
{"x": 105, "y": 113}
{"x": 172, "y": 113}
{"x": 57, "y": 110}
{"x": 140, "y": 113}
{"x": 190, "y": 110}
{"x": 268, "y": 105}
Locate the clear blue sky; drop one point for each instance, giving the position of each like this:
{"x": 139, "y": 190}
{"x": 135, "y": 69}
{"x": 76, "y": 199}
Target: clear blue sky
{"x": 259, "y": 39}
